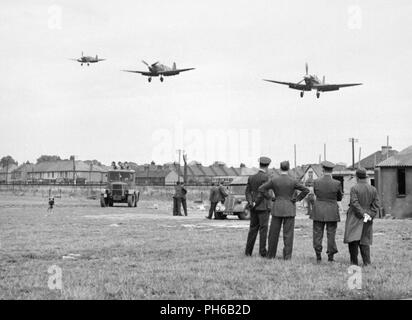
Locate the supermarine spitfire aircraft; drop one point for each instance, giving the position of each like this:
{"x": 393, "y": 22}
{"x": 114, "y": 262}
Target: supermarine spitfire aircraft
{"x": 313, "y": 82}
{"x": 157, "y": 69}
{"x": 88, "y": 59}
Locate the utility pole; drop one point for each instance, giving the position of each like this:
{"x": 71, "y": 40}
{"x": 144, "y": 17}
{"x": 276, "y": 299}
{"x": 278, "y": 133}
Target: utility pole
{"x": 74, "y": 169}
{"x": 353, "y": 140}
{"x": 294, "y": 152}
{"x": 185, "y": 168}
{"x": 180, "y": 151}
{"x": 360, "y": 151}
{"x": 324, "y": 151}
{"x": 387, "y": 147}
{"x": 7, "y": 170}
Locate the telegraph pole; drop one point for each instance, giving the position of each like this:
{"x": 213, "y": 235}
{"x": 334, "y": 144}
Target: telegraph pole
{"x": 353, "y": 140}
{"x": 324, "y": 151}
{"x": 180, "y": 151}
{"x": 387, "y": 147}
{"x": 294, "y": 153}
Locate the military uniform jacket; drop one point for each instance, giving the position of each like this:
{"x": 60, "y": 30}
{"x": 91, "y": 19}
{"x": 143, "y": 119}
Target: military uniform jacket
{"x": 214, "y": 194}
{"x": 178, "y": 192}
{"x": 222, "y": 193}
{"x": 328, "y": 192}
{"x": 363, "y": 199}
{"x": 251, "y": 192}
{"x": 284, "y": 189}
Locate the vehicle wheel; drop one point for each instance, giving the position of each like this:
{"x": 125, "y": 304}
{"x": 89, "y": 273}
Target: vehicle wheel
{"x": 220, "y": 216}
{"x": 130, "y": 200}
{"x": 161, "y": 79}
{"x": 102, "y": 202}
{"x": 149, "y": 79}
{"x": 317, "y": 95}
{"x": 244, "y": 215}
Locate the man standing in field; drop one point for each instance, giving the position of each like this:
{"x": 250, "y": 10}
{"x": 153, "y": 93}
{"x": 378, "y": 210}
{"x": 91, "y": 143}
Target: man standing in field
{"x": 325, "y": 212}
{"x": 259, "y": 215}
{"x": 177, "y": 199}
{"x": 363, "y": 207}
{"x": 184, "y": 203}
{"x": 222, "y": 194}
{"x": 214, "y": 199}
{"x": 283, "y": 210}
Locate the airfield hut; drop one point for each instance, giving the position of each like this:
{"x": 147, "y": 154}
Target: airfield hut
{"x": 394, "y": 184}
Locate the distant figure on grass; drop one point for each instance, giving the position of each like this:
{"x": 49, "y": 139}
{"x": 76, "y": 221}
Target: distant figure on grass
{"x": 177, "y": 199}
{"x": 214, "y": 199}
{"x": 51, "y": 204}
{"x": 184, "y": 203}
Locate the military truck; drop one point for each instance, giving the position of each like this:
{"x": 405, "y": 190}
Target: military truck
{"x": 121, "y": 188}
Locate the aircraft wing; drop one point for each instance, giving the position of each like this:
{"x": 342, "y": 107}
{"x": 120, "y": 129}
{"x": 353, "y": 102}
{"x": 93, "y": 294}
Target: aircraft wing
{"x": 145, "y": 73}
{"x": 173, "y": 72}
{"x": 291, "y": 85}
{"x": 333, "y": 87}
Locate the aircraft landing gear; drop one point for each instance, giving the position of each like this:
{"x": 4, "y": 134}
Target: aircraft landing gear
{"x": 81, "y": 64}
{"x": 88, "y": 65}
{"x": 149, "y": 79}
{"x": 301, "y": 94}
{"x": 317, "y": 94}
{"x": 161, "y": 79}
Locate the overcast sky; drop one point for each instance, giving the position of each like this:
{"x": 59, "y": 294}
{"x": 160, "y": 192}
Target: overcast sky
{"x": 220, "y": 111}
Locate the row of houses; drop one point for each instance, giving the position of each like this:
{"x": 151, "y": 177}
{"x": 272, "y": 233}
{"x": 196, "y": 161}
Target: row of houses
{"x": 61, "y": 171}
{"x": 389, "y": 171}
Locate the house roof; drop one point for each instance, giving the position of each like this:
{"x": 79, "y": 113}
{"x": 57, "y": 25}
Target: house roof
{"x": 65, "y": 165}
{"x": 8, "y": 169}
{"x": 375, "y": 158}
{"x": 401, "y": 159}
{"x": 25, "y": 167}
{"x": 159, "y": 173}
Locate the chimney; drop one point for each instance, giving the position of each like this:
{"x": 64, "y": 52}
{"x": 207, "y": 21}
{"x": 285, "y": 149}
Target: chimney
{"x": 386, "y": 149}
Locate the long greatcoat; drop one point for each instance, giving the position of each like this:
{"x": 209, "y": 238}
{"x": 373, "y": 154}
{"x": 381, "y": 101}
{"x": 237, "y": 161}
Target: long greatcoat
{"x": 363, "y": 199}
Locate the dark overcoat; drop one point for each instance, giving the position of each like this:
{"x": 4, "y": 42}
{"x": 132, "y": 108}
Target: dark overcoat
{"x": 214, "y": 194}
{"x": 328, "y": 192}
{"x": 363, "y": 199}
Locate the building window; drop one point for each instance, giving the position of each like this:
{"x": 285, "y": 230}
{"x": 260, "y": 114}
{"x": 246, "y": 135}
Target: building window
{"x": 401, "y": 182}
{"x": 372, "y": 182}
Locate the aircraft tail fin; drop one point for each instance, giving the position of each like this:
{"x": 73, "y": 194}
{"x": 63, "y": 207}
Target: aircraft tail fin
{"x": 174, "y": 65}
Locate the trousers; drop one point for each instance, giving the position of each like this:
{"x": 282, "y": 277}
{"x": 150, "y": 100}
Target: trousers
{"x": 288, "y": 229}
{"x": 259, "y": 221}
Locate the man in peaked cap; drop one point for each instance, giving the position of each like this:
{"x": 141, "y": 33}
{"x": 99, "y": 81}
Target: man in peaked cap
{"x": 328, "y": 192}
{"x": 283, "y": 210}
{"x": 259, "y": 214}
{"x": 363, "y": 207}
